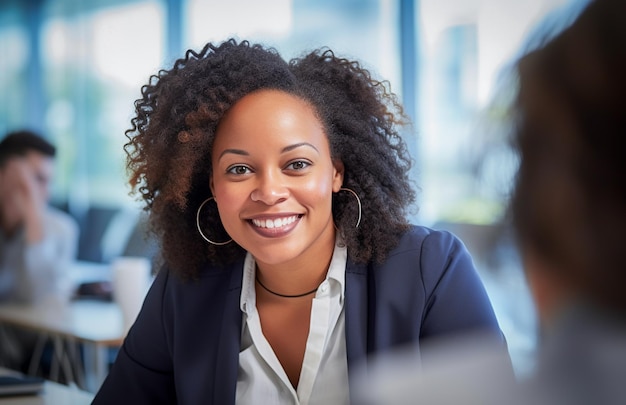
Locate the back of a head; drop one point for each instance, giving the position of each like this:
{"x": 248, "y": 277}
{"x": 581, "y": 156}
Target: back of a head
{"x": 19, "y": 143}
{"x": 569, "y": 205}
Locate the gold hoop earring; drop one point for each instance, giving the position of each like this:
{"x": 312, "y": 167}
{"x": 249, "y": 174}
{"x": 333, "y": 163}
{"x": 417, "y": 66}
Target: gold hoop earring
{"x": 358, "y": 201}
{"x": 200, "y": 229}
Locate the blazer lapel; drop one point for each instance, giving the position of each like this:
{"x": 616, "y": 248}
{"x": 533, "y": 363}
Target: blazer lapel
{"x": 357, "y": 316}
{"x": 227, "y": 364}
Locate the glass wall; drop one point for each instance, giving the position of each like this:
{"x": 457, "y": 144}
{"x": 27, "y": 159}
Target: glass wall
{"x": 465, "y": 45}
{"x": 15, "y": 50}
{"x": 73, "y": 68}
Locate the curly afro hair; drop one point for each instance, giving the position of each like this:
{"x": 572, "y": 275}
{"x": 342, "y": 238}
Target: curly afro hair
{"x": 169, "y": 159}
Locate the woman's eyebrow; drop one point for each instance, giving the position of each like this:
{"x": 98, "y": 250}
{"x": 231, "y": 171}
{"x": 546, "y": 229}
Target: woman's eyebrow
{"x": 242, "y": 152}
{"x": 298, "y": 145}
{"x": 233, "y": 151}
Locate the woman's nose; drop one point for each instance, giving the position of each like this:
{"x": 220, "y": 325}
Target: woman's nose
{"x": 270, "y": 190}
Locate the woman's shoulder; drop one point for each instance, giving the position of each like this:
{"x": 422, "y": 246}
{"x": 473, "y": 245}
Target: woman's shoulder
{"x": 427, "y": 240}
{"x": 429, "y": 253}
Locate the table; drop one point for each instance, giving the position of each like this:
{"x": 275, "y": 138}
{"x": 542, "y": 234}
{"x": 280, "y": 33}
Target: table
{"x": 53, "y": 394}
{"x": 96, "y": 324}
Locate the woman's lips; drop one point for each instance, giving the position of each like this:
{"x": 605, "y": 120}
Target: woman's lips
{"x": 275, "y": 226}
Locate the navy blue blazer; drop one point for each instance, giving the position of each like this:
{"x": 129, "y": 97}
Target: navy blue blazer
{"x": 184, "y": 346}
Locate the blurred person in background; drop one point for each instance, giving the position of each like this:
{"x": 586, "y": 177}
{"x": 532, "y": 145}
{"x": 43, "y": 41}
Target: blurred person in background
{"x": 569, "y": 206}
{"x": 569, "y": 214}
{"x": 279, "y": 192}
{"x": 38, "y": 243}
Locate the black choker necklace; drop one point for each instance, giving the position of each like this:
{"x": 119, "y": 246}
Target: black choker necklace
{"x": 283, "y": 295}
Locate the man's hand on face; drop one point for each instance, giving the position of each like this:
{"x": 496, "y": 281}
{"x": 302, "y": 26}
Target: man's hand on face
{"x": 24, "y": 184}
{"x": 22, "y": 188}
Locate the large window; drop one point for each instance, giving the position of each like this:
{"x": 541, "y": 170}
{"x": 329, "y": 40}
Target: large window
{"x": 465, "y": 47}
{"x": 15, "y": 50}
{"x": 94, "y": 63}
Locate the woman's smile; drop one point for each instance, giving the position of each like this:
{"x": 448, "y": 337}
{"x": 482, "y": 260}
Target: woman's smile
{"x": 275, "y": 223}
{"x": 273, "y": 227}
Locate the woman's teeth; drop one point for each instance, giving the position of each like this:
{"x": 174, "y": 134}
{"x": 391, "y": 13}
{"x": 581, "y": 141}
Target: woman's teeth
{"x": 274, "y": 223}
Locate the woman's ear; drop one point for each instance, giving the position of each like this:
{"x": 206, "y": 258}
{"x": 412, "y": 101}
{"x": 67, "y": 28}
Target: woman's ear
{"x": 211, "y": 186}
{"x": 337, "y": 175}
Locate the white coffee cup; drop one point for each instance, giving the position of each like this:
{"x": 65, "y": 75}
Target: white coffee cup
{"x": 131, "y": 278}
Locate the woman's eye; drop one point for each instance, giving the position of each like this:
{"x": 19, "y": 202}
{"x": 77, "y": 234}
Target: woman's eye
{"x": 298, "y": 165}
{"x": 238, "y": 170}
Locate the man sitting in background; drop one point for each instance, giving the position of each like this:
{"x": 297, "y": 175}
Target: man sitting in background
{"x": 37, "y": 242}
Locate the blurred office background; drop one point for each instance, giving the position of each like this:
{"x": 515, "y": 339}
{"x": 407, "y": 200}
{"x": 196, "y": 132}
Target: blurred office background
{"x": 73, "y": 68}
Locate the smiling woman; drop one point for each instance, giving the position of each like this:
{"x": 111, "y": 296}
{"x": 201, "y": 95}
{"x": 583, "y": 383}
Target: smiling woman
{"x": 279, "y": 192}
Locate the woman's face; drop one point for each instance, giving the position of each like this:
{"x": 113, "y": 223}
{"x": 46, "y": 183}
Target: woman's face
{"x": 273, "y": 179}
